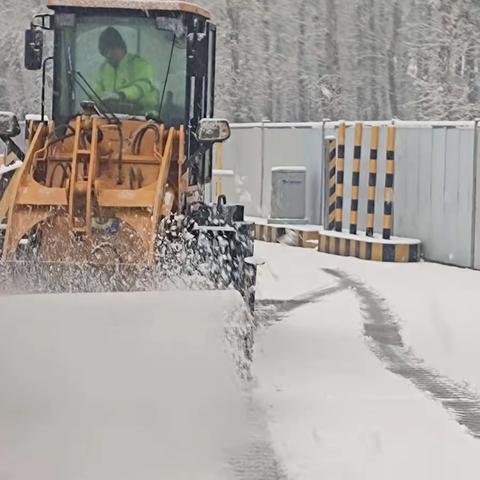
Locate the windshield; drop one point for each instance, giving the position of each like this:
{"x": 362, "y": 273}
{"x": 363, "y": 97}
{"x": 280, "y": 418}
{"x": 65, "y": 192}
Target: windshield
{"x": 125, "y": 60}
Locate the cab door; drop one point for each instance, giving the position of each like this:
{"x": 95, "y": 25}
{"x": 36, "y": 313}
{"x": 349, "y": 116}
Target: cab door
{"x": 201, "y": 49}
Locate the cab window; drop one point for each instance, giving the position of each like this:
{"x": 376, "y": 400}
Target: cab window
{"x": 134, "y": 66}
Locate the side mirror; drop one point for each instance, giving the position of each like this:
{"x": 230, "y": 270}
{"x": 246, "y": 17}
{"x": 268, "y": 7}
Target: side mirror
{"x": 212, "y": 130}
{"x": 9, "y": 126}
{"x": 33, "y": 49}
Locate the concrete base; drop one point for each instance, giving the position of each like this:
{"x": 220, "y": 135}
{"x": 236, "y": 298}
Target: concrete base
{"x": 396, "y": 250}
{"x": 287, "y": 221}
{"x": 399, "y": 250}
{"x": 290, "y": 235}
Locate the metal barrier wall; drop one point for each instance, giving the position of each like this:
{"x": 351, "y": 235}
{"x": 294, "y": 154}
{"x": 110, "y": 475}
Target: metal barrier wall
{"x": 434, "y": 193}
{"x": 255, "y": 149}
{"x": 435, "y": 177}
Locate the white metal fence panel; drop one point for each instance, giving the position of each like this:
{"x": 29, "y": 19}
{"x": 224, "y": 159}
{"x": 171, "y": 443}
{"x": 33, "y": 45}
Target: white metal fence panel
{"x": 433, "y": 179}
{"x": 476, "y": 202}
{"x": 295, "y": 147}
{"x": 243, "y": 155}
{"x": 433, "y": 190}
{"x": 255, "y": 149}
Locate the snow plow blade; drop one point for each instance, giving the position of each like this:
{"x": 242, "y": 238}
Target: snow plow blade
{"x": 57, "y": 277}
{"x": 215, "y": 258}
{"x": 122, "y": 386}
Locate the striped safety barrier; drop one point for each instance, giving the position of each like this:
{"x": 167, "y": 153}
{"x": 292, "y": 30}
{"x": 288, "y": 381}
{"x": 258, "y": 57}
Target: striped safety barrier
{"x": 332, "y": 171}
{"x": 372, "y": 180}
{"x": 389, "y": 182}
{"x": 339, "y": 190}
{"x": 366, "y": 246}
{"x": 357, "y": 156}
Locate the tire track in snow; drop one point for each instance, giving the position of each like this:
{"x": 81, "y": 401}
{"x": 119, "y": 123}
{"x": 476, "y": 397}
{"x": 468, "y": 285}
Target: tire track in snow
{"x": 258, "y": 461}
{"x": 384, "y": 337}
{"x": 382, "y": 331}
{"x": 283, "y": 307}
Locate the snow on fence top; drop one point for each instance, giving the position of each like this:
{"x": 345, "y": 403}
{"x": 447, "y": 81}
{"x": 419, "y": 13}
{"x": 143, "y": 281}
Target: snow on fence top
{"x": 397, "y": 123}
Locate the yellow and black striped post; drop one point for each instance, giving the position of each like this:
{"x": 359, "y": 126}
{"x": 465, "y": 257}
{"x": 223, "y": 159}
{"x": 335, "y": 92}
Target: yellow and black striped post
{"x": 357, "y": 156}
{"x": 389, "y": 182}
{"x": 372, "y": 180}
{"x": 339, "y": 188}
{"x": 332, "y": 170}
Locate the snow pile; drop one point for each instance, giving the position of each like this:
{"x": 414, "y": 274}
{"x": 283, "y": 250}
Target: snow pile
{"x": 240, "y": 328}
{"x": 121, "y": 386}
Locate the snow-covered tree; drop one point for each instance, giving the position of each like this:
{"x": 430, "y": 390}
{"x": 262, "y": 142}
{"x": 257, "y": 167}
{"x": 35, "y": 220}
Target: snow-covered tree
{"x": 311, "y": 59}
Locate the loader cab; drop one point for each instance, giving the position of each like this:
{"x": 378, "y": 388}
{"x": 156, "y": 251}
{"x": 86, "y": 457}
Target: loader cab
{"x": 157, "y": 64}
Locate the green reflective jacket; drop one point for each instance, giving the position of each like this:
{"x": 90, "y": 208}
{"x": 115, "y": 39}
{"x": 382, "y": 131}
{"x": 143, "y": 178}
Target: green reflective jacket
{"x": 134, "y": 78}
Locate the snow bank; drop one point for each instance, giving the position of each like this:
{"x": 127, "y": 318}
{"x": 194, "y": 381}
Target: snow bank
{"x": 121, "y": 386}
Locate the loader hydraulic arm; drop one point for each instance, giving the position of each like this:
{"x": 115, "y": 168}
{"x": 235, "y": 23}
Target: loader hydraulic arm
{"x": 9, "y": 128}
{"x": 14, "y": 148}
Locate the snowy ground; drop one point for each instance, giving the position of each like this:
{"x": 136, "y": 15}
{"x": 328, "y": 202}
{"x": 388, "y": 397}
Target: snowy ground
{"x": 121, "y": 386}
{"x": 362, "y": 371}
{"x": 372, "y": 370}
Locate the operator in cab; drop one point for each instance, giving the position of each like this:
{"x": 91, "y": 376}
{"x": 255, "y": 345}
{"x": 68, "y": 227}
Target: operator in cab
{"x": 124, "y": 78}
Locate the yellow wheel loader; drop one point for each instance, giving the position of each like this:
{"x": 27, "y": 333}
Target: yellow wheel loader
{"x": 109, "y": 193}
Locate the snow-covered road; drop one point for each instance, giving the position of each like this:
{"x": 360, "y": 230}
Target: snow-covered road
{"x": 372, "y": 371}
{"x": 126, "y": 386}
{"x": 363, "y": 371}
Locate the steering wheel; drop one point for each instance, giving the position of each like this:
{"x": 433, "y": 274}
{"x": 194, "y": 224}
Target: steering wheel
{"x": 124, "y": 106}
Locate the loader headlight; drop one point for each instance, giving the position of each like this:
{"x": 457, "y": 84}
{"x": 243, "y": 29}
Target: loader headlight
{"x": 212, "y": 130}
{"x": 9, "y": 126}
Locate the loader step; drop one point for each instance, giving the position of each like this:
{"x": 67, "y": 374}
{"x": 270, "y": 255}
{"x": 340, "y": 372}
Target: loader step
{"x": 81, "y": 186}
{"x": 36, "y": 194}
{"x": 141, "y": 198}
